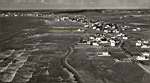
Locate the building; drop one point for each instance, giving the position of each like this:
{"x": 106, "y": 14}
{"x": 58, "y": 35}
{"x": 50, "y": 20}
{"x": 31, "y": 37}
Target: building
{"x": 125, "y": 38}
{"x": 106, "y": 53}
{"x": 145, "y": 46}
{"x": 138, "y": 43}
{"x": 145, "y": 42}
{"x": 98, "y": 39}
{"x": 86, "y": 26}
{"x": 145, "y": 54}
{"x": 94, "y": 27}
{"x": 112, "y": 43}
{"x": 141, "y": 58}
{"x": 95, "y": 44}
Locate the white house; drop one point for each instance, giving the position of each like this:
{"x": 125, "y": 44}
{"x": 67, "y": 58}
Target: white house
{"x": 93, "y": 27}
{"x": 91, "y": 37}
{"x": 106, "y": 31}
{"x": 98, "y": 29}
{"x": 145, "y": 42}
{"x": 80, "y": 30}
{"x": 145, "y": 54}
{"x": 125, "y": 38}
{"x": 112, "y": 43}
{"x": 6, "y": 15}
{"x": 141, "y": 58}
{"x": 88, "y": 42}
{"x": 139, "y": 29}
{"x": 15, "y": 15}
{"x": 104, "y": 54}
{"x": 138, "y": 43}
{"x": 113, "y": 27}
{"x": 145, "y": 46}
{"x": 86, "y": 26}
{"x": 95, "y": 44}
{"x": 104, "y": 42}
{"x": 134, "y": 29}
{"x": 98, "y": 38}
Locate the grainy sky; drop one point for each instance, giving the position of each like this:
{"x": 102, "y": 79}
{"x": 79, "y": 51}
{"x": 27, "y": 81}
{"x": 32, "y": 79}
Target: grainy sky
{"x": 74, "y": 4}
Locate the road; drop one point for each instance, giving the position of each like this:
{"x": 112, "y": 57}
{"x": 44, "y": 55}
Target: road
{"x": 69, "y": 67}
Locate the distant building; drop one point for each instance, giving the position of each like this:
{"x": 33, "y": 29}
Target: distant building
{"x": 145, "y": 42}
{"x": 141, "y": 58}
{"x": 86, "y": 26}
{"x": 94, "y": 27}
{"x": 145, "y": 46}
{"x": 80, "y": 30}
{"x": 134, "y": 29}
{"x": 146, "y": 54}
{"x": 98, "y": 39}
{"x": 104, "y": 54}
{"x": 139, "y": 29}
{"x": 92, "y": 37}
{"x": 125, "y": 38}
{"x": 105, "y": 31}
{"x": 112, "y": 43}
{"x": 98, "y": 29}
{"x": 138, "y": 43}
{"x": 95, "y": 44}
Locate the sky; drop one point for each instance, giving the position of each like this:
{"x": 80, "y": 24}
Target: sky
{"x": 74, "y": 4}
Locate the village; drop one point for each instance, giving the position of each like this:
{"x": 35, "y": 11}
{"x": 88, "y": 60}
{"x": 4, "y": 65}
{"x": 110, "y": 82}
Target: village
{"x": 101, "y": 34}
{"x": 109, "y": 36}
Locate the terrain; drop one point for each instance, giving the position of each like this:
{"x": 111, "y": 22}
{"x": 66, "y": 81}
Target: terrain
{"x": 45, "y": 49}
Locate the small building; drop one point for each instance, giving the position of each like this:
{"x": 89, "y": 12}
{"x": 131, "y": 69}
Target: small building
{"x": 104, "y": 54}
{"x": 86, "y": 26}
{"x": 95, "y": 44}
{"x": 138, "y": 44}
{"x": 80, "y": 30}
{"x": 112, "y": 43}
{"x": 104, "y": 42}
{"x": 139, "y": 29}
{"x": 94, "y": 27}
{"x": 98, "y": 29}
{"x": 113, "y": 27}
{"x": 88, "y": 42}
{"x": 134, "y": 29}
{"x": 141, "y": 58}
{"x": 92, "y": 37}
{"x": 145, "y": 46}
{"x": 125, "y": 38}
{"x": 145, "y": 42}
{"x": 98, "y": 39}
{"x": 6, "y": 15}
{"x": 15, "y": 15}
{"x": 115, "y": 31}
{"x": 105, "y": 31}
{"x": 145, "y": 54}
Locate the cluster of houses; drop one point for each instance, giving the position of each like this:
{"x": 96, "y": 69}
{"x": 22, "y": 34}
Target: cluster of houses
{"x": 78, "y": 18}
{"x": 98, "y": 40}
{"x": 144, "y": 56}
{"x": 109, "y": 34}
{"x": 143, "y": 44}
{"x": 136, "y": 29}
